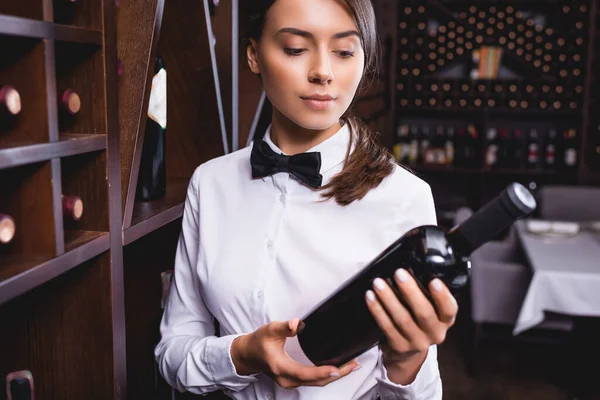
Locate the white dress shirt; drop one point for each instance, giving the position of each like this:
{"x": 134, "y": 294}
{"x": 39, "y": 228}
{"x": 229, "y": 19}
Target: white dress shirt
{"x": 252, "y": 251}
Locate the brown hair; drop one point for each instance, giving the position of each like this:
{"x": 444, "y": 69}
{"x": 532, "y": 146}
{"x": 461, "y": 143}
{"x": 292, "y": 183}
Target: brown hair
{"x": 369, "y": 163}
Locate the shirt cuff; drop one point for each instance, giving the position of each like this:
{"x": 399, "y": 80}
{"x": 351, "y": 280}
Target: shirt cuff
{"x": 427, "y": 384}
{"x": 217, "y": 354}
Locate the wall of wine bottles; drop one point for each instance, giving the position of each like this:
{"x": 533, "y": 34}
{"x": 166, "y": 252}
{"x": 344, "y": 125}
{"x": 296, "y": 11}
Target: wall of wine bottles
{"x": 489, "y": 92}
{"x": 493, "y": 84}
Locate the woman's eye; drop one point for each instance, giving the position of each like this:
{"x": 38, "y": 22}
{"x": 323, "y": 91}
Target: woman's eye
{"x": 293, "y": 52}
{"x": 346, "y": 54}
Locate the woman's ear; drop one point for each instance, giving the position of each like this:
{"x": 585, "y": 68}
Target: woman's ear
{"x": 252, "y": 56}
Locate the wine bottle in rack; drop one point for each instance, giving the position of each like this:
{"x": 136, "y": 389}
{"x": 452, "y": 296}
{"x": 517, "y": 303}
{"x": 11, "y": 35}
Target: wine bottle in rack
{"x": 533, "y": 149}
{"x": 518, "y": 148}
{"x": 72, "y": 207}
{"x": 491, "y": 147}
{"x": 570, "y": 148}
{"x": 319, "y": 341}
{"x": 19, "y": 386}
{"x": 550, "y": 148}
{"x": 152, "y": 178}
{"x": 10, "y": 101}
{"x": 69, "y": 102}
{"x": 7, "y": 228}
{"x": 449, "y": 145}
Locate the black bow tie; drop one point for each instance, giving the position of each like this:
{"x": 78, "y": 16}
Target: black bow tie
{"x": 304, "y": 166}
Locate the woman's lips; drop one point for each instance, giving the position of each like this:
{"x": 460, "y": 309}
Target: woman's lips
{"x": 319, "y": 104}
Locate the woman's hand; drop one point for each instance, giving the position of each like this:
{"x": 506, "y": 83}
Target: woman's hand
{"x": 407, "y": 339}
{"x": 262, "y": 351}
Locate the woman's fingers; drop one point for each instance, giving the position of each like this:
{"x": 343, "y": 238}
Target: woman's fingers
{"x": 292, "y": 374}
{"x": 399, "y": 315}
{"x": 425, "y": 315}
{"x": 444, "y": 301}
{"x": 395, "y": 339}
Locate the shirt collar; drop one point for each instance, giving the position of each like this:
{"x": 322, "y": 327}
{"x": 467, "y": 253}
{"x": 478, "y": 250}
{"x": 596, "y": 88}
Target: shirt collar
{"x": 333, "y": 150}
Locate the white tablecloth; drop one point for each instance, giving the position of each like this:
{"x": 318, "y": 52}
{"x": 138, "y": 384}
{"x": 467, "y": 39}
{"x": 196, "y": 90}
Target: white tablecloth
{"x": 566, "y": 276}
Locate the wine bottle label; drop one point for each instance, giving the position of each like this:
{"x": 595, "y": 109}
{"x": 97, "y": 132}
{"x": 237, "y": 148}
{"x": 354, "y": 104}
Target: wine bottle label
{"x": 157, "y": 107}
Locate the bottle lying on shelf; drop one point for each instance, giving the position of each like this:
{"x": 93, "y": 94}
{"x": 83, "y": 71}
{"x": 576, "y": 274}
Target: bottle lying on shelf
{"x": 7, "y": 228}
{"x": 152, "y": 176}
{"x": 69, "y": 102}
{"x": 10, "y": 100}
{"x": 72, "y": 207}
{"x": 341, "y": 327}
{"x": 19, "y": 386}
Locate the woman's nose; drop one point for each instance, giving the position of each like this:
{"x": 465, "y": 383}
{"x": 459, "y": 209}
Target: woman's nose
{"x": 321, "y": 71}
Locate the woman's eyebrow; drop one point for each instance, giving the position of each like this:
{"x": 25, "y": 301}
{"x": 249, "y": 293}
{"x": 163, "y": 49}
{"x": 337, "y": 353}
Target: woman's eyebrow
{"x": 306, "y": 34}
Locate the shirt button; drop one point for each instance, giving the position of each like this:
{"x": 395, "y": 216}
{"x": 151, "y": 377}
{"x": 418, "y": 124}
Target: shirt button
{"x": 282, "y": 198}
{"x": 259, "y": 294}
{"x": 270, "y": 396}
{"x": 270, "y": 244}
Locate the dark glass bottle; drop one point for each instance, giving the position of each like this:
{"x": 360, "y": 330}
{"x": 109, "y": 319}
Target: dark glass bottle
{"x": 10, "y": 107}
{"x": 152, "y": 178}
{"x": 19, "y": 386}
{"x": 341, "y": 327}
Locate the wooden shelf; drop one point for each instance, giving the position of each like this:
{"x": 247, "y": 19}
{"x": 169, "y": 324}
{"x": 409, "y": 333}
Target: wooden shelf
{"x": 69, "y": 144}
{"x": 23, "y": 273}
{"x": 24, "y": 27}
{"x": 149, "y": 216}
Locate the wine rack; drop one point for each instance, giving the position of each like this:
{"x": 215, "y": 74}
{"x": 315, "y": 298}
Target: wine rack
{"x": 60, "y": 272}
{"x": 509, "y": 70}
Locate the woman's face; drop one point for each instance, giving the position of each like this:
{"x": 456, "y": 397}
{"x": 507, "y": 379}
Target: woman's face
{"x": 310, "y": 59}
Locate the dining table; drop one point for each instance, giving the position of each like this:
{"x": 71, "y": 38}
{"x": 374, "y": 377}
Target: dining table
{"x": 565, "y": 267}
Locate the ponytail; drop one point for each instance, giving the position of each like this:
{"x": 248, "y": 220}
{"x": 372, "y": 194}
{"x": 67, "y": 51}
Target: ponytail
{"x": 364, "y": 168}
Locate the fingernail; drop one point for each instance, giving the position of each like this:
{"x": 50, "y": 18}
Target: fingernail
{"x": 357, "y": 368}
{"x": 402, "y": 275}
{"x": 334, "y": 374}
{"x": 379, "y": 284}
{"x": 436, "y": 285}
{"x": 370, "y": 296}
{"x": 301, "y": 326}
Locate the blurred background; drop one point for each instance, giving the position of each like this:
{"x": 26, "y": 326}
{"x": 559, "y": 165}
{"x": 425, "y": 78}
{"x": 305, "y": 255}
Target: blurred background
{"x": 471, "y": 96}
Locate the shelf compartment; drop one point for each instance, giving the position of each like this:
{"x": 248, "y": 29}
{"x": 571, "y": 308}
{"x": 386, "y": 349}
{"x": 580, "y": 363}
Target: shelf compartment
{"x": 25, "y": 272}
{"x": 27, "y": 197}
{"x": 85, "y": 14}
{"x": 22, "y": 67}
{"x": 60, "y": 326}
{"x": 84, "y": 176}
{"x": 27, "y": 9}
{"x": 80, "y": 69}
{"x": 24, "y": 27}
{"x": 142, "y": 275}
{"x": 151, "y": 215}
{"x": 69, "y": 144}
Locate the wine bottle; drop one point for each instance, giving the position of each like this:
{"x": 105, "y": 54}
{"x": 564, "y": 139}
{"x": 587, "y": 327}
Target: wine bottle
{"x": 72, "y": 207}
{"x": 69, "y": 102}
{"x": 341, "y": 327}
{"x": 7, "y": 228}
{"x": 10, "y": 100}
{"x": 19, "y": 386}
{"x": 152, "y": 179}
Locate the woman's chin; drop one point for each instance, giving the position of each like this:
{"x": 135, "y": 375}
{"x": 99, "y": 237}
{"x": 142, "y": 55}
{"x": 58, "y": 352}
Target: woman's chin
{"x": 317, "y": 122}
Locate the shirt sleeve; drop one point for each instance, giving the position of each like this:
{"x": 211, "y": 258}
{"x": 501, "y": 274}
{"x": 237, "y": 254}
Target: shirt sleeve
{"x": 420, "y": 210}
{"x": 189, "y": 355}
{"x": 426, "y": 386}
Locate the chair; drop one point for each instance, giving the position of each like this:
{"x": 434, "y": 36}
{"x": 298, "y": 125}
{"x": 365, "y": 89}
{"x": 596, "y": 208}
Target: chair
{"x": 569, "y": 203}
{"x": 499, "y": 281}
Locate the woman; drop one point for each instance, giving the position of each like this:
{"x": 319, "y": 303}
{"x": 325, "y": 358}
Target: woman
{"x": 266, "y": 236}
